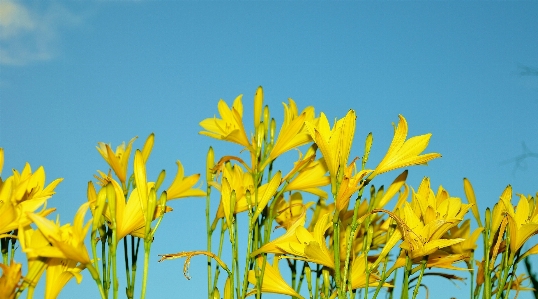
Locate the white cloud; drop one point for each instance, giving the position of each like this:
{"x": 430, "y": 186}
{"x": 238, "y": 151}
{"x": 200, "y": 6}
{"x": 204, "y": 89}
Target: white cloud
{"x": 28, "y": 35}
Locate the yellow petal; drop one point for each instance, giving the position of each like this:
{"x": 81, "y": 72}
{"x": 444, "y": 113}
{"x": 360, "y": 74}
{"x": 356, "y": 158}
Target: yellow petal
{"x": 471, "y": 198}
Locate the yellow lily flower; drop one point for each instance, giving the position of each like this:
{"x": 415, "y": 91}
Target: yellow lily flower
{"x": 523, "y": 221}
{"x": 289, "y": 236}
{"x": 21, "y": 193}
{"x": 28, "y": 185}
{"x": 234, "y": 178}
{"x": 293, "y": 132}
{"x": 12, "y": 215}
{"x": 464, "y": 231}
{"x": 287, "y": 212}
{"x": 427, "y": 219}
{"x": 403, "y": 153}
{"x": 118, "y": 160}
{"x": 272, "y": 280}
{"x": 59, "y": 272}
{"x": 335, "y": 143}
{"x": 310, "y": 178}
{"x": 130, "y": 214}
{"x": 9, "y": 281}
{"x": 358, "y": 274}
{"x": 424, "y": 239}
{"x": 67, "y": 241}
{"x": 303, "y": 244}
{"x": 351, "y": 183}
{"x": 182, "y": 186}
{"x": 230, "y": 127}
{"x": 30, "y": 238}
{"x": 391, "y": 191}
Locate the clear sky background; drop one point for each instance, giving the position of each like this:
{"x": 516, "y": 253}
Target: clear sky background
{"x": 75, "y": 73}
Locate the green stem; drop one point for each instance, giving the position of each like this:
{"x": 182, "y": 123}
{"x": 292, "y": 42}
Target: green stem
{"x": 407, "y": 273}
{"x": 147, "y": 248}
{"x": 104, "y": 261}
{"x": 487, "y": 247}
{"x": 424, "y": 262}
{"x": 336, "y": 246}
{"x": 129, "y": 288}
{"x": 209, "y": 234}
{"x": 247, "y": 259}
{"x": 113, "y": 249}
{"x": 134, "y": 260}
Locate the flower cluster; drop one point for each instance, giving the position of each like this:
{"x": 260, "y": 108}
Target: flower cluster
{"x": 321, "y": 216}
{"x": 325, "y": 218}
{"x": 122, "y": 207}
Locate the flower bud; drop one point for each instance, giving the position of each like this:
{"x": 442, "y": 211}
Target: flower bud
{"x": 148, "y": 146}
{"x": 367, "y": 147}
{"x": 210, "y": 164}
{"x": 160, "y": 179}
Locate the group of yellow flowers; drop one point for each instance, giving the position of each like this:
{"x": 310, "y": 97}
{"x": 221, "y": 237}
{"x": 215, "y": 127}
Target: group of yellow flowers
{"x": 352, "y": 245}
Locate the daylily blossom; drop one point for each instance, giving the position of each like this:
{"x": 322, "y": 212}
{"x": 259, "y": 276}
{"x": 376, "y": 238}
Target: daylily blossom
{"x": 230, "y": 127}
{"x": 303, "y": 244}
{"x": 182, "y": 186}
{"x": 403, "y": 153}
{"x": 33, "y": 238}
{"x": 287, "y": 212}
{"x": 272, "y": 280}
{"x": 523, "y": 221}
{"x": 464, "y": 231}
{"x": 59, "y": 272}
{"x": 358, "y": 274}
{"x": 234, "y": 178}
{"x": 335, "y": 143}
{"x": 351, "y": 183}
{"x": 426, "y": 220}
{"x": 311, "y": 178}
{"x": 130, "y": 215}
{"x": 21, "y": 193}
{"x": 67, "y": 240}
{"x": 293, "y": 132}
{"x": 118, "y": 160}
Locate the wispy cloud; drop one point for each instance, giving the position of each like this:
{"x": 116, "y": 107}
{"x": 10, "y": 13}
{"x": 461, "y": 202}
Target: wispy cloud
{"x": 30, "y": 34}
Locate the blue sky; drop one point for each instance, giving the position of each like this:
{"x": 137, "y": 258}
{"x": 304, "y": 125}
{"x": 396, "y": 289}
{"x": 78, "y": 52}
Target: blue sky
{"x": 75, "y": 73}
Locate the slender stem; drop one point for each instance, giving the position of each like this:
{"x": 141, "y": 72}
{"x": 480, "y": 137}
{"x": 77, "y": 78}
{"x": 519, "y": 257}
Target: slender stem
{"x": 407, "y": 273}
{"x": 113, "y": 250}
{"x": 104, "y": 260}
{"x": 336, "y": 246}
{"x": 147, "y": 248}
{"x": 93, "y": 242}
{"x": 247, "y": 259}
{"x": 221, "y": 243}
{"x": 424, "y": 262}
{"x": 471, "y": 271}
{"x": 487, "y": 247}
{"x": 134, "y": 259}
{"x": 127, "y": 269}
{"x": 209, "y": 234}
